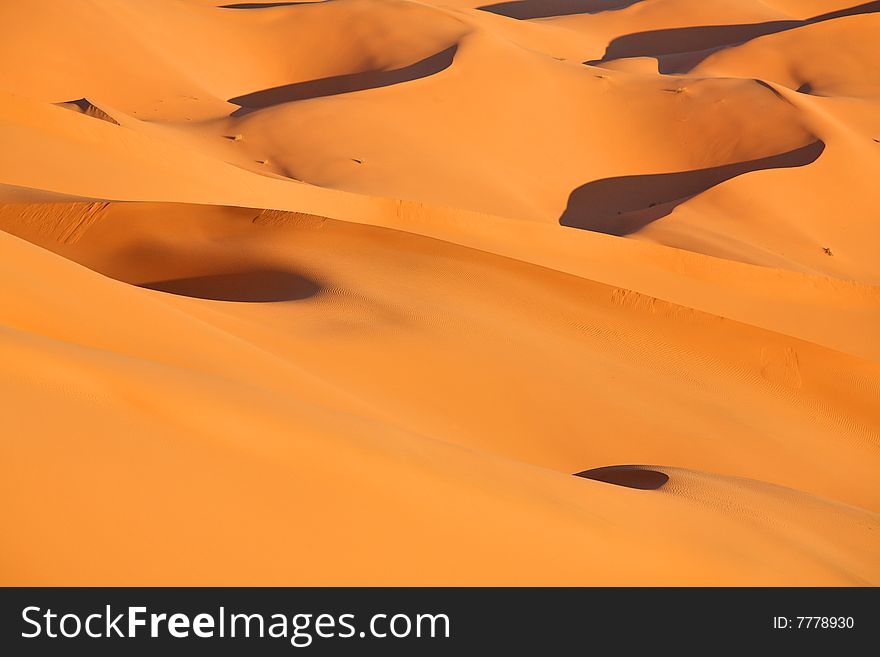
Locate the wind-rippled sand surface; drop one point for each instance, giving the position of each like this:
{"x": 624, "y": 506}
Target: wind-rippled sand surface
{"x": 347, "y": 292}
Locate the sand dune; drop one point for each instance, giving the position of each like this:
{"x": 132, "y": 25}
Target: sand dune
{"x": 347, "y": 292}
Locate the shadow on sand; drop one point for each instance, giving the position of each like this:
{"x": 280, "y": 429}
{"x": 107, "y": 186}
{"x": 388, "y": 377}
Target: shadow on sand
{"x": 680, "y": 49}
{"x": 341, "y": 84}
{"x": 248, "y": 286}
{"x": 622, "y": 205}
{"x": 630, "y": 476}
{"x": 266, "y": 5}
{"x": 526, "y": 9}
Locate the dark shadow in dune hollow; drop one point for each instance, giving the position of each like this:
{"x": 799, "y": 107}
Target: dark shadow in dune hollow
{"x": 805, "y": 88}
{"x": 622, "y": 205}
{"x": 773, "y": 90}
{"x": 341, "y": 84}
{"x": 527, "y": 9}
{"x": 266, "y": 5}
{"x": 680, "y": 49}
{"x": 630, "y": 476}
{"x": 249, "y": 286}
{"x": 84, "y": 104}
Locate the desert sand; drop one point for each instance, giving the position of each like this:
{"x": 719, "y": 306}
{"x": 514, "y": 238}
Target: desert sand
{"x": 541, "y": 292}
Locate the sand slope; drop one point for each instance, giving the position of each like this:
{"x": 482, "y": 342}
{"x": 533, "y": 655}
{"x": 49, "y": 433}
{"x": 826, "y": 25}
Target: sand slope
{"x": 347, "y": 292}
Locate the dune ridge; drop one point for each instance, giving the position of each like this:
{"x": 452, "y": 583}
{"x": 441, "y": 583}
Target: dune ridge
{"x": 386, "y": 292}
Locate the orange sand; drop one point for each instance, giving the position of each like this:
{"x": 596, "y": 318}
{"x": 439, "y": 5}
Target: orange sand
{"x": 347, "y": 292}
